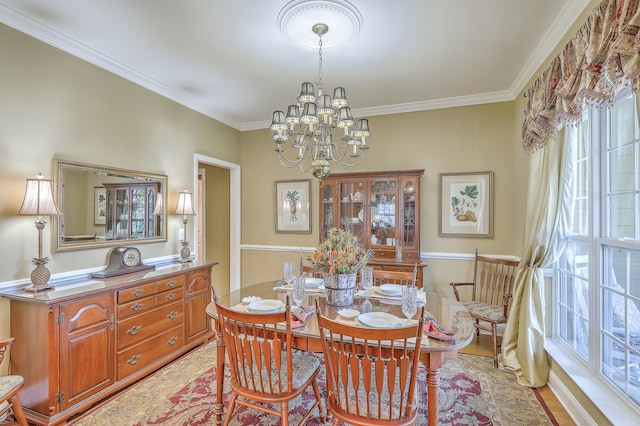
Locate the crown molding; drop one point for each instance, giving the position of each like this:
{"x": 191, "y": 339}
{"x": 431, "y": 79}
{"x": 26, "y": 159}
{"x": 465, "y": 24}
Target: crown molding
{"x": 566, "y": 18}
{"x": 48, "y": 35}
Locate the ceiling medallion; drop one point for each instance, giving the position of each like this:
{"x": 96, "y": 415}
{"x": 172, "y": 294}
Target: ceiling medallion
{"x": 295, "y": 19}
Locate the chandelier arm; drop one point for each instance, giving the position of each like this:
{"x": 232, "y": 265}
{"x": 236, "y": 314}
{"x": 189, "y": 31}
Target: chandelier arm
{"x": 288, "y": 163}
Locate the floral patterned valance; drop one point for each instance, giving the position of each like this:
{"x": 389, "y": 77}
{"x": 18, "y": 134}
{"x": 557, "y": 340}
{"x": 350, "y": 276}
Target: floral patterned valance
{"x": 596, "y": 63}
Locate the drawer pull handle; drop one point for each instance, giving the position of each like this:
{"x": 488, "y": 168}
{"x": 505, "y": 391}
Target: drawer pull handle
{"x": 137, "y": 307}
{"x": 173, "y": 340}
{"x": 170, "y": 296}
{"x": 134, "y": 359}
{"x": 138, "y": 292}
{"x": 172, "y": 315}
{"x": 134, "y": 330}
{"x": 171, "y": 283}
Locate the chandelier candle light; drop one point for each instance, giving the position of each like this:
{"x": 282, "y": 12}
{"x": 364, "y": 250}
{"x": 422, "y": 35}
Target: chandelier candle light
{"x": 312, "y": 128}
{"x": 38, "y": 201}
{"x": 185, "y": 208}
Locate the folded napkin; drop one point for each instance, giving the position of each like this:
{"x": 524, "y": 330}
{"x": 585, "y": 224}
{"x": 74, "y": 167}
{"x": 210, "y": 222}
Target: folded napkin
{"x": 438, "y": 332}
{"x": 299, "y": 315}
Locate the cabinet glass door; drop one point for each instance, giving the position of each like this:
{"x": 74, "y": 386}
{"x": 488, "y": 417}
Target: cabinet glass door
{"x": 138, "y": 198}
{"x": 409, "y": 213}
{"x": 352, "y": 206}
{"x": 122, "y": 213}
{"x": 327, "y": 211}
{"x": 382, "y": 196}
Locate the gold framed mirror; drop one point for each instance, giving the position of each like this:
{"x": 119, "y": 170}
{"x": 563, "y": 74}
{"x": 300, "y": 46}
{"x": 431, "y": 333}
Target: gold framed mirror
{"x": 107, "y": 206}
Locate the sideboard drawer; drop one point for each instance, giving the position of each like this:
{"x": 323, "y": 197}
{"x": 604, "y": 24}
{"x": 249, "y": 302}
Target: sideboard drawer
{"x": 138, "y": 328}
{"x": 145, "y": 353}
{"x": 136, "y": 307}
{"x": 169, "y": 297}
{"x": 176, "y": 283}
{"x": 134, "y": 293}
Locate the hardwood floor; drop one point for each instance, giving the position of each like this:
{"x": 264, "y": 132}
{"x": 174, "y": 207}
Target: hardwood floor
{"x": 482, "y": 346}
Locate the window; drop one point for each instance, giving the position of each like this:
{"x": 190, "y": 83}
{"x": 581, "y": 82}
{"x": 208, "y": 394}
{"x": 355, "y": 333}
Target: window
{"x": 597, "y": 280}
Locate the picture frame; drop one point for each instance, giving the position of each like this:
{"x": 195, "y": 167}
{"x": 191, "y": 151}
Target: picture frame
{"x": 293, "y": 206}
{"x": 99, "y": 205}
{"x": 466, "y": 205}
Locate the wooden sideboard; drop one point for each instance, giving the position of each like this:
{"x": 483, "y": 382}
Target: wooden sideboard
{"x": 80, "y": 343}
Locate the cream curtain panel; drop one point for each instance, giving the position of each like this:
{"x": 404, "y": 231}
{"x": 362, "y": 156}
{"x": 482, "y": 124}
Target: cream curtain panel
{"x": 549, "y": 219}
{"x": 592, "y": 67}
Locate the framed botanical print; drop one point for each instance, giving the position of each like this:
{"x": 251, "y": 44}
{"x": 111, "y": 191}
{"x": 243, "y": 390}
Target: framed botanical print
{"x": 99, "y": 205}
{"x": 466, "y": 205}
{"x": 293, "y": 206}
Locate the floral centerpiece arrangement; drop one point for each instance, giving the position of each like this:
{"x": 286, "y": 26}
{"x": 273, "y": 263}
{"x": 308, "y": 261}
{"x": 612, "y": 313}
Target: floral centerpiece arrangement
{"x": 340, "y": 253}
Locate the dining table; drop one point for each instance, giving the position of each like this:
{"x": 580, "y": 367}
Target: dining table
{"x": 447, "y": 312}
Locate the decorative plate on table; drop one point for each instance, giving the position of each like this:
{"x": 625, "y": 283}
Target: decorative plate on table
{"x": 379, "y": 320}
{"x": 313, "y": 282}
{"x": 267, "y": 306}
{"x": 389, "y": 289}
{"x": 348, "y": 313}
{"x": 250, "y": 299}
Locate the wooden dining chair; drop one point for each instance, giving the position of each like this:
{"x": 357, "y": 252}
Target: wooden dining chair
{"x": 9, "y": 387}
{"x": 372, "y": 382}
{"x": 395, "y": 277}
{"x": 493, "y": 280}
{"x": 264, "y": 369}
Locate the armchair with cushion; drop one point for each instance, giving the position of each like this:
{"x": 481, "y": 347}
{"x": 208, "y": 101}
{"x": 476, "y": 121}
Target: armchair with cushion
{"x": 9, "y": 387}
{"x": 492, "y": 284}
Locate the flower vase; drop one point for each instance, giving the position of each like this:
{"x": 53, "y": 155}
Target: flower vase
{"x": 340, "y": 289}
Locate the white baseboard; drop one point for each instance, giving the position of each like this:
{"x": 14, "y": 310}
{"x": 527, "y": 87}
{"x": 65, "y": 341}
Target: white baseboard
{"x": 575, "y": 410}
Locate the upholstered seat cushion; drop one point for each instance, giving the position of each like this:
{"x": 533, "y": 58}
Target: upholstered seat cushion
{"x": 485, "y": 310}
{"x": 9, "y": 383}
{"x": 349, "y": 401}
{"x": 303, "y": 367}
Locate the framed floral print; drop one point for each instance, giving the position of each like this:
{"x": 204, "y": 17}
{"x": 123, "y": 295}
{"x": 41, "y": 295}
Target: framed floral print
{"x": 293, "y": 206}
{"x": 466, "y": 205}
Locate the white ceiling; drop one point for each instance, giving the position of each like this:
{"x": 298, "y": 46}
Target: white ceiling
{"x": 227, "y": 58}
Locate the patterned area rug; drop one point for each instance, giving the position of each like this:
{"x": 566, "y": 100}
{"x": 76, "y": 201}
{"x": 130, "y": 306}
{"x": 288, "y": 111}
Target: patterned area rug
{"x": 472, "y": 393}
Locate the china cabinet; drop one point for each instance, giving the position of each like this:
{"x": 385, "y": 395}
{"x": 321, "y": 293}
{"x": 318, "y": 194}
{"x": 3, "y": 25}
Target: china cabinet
{"x": 79, "y": 345}
{"x": 130, "y": 209}
{"x": 382, "y": 209}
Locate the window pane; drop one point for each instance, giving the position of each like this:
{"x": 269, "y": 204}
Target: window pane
{"x": 621, "y": 216}
{"x": 621, "y": 169}
{"x": 623, "y": 122}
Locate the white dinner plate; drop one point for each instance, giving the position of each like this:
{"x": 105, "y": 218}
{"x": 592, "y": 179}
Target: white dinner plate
{"x": 390, "y": 289}
{"x": 379, "y": 320}
{"x": 267, "y": 306}
{"x": 313, "y": 282}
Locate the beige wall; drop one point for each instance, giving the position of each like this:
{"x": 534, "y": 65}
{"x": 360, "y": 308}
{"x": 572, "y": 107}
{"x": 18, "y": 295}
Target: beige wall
{"x": 55, "y": 105}
{"x": 466, "y": 139}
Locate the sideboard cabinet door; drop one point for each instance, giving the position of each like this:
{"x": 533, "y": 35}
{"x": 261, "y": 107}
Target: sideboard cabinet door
{"x": 198, "y": 296}
{"x": 87, "y": 364}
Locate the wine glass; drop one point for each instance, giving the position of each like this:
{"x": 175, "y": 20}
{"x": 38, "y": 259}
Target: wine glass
{"x": 409, "y": 301}
{"x": 298, "y": 290}
{"x": 367, "y": 278}
{"x": 288, "y": 272}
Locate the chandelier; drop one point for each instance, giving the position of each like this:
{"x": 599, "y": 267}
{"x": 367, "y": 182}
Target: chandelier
{"x": 318, "y": 129}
